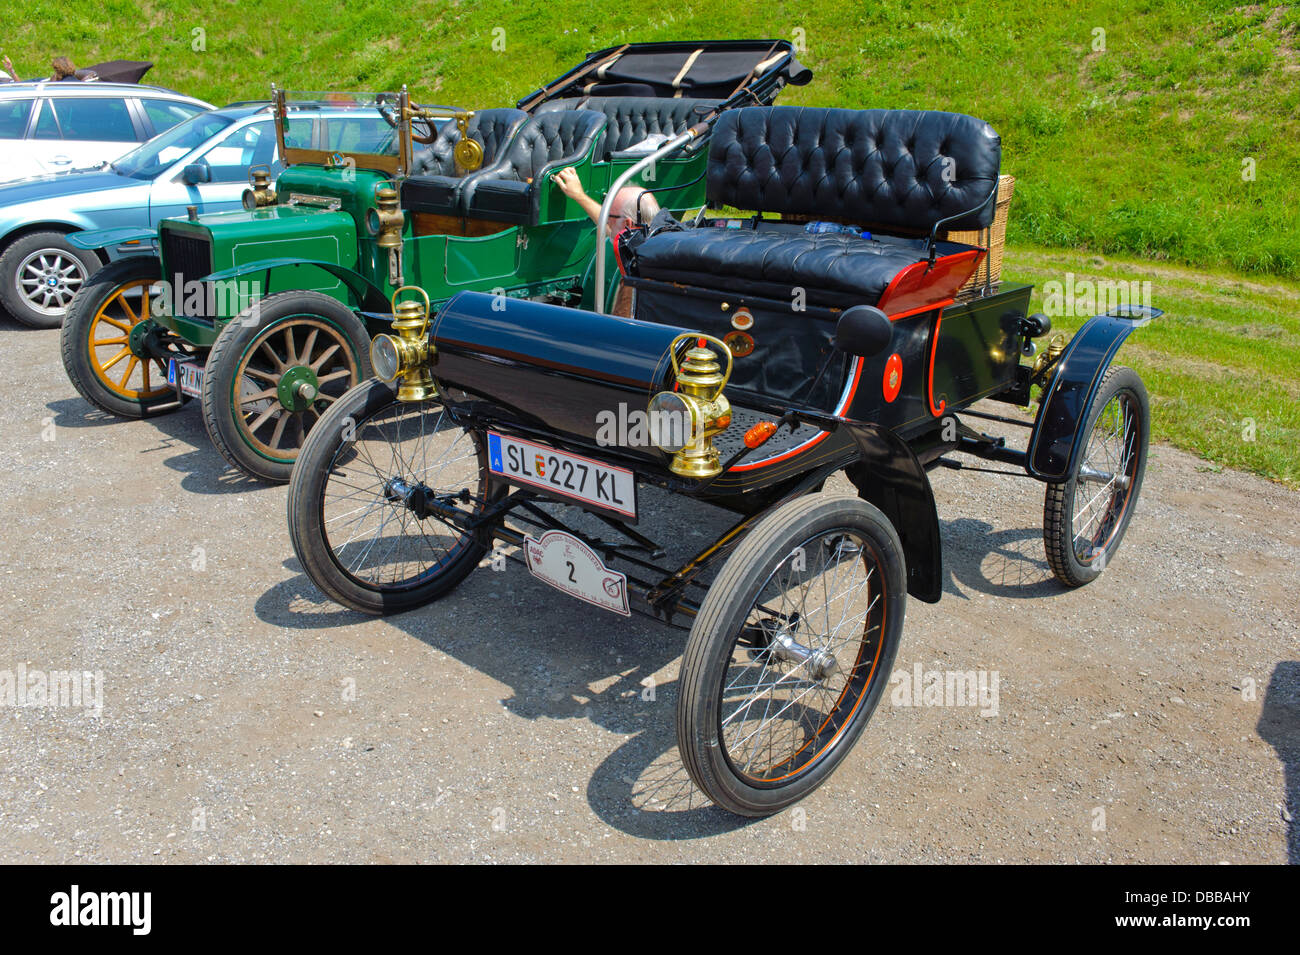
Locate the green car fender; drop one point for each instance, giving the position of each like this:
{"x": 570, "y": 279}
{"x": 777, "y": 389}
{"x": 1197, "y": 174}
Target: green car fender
{"x": 369, "y": 296}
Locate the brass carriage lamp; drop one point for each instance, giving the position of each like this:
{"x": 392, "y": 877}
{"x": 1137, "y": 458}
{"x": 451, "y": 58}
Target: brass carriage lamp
{"x": 684, "y": 421}
{"x": 260, "y": 194}
{"x": 406, "y": 355}
{"x": 384, "y": 220}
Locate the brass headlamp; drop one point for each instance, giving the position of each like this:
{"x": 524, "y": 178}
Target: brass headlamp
{"x": 261, "y": 194}
{"x": 683, "y": 422}
{"x": 406, "y": 355}
{"x": 384, "y": 220}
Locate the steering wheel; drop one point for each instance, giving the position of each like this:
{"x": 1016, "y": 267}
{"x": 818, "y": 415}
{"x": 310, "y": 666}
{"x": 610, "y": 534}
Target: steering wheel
{"x": 422, "y": 130}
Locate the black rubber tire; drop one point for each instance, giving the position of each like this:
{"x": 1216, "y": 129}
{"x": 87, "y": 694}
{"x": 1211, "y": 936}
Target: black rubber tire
{"x": 1059, "y": 502}
{"x": 74, "y": 340}
{"x": 701, "y": 738}
{"x": 325, "y": 454}
{"x": 271, "y": 316}
{"x": 17, "y": 306}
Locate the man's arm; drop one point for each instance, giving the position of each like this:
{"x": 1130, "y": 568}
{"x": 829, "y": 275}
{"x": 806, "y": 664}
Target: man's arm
{"x": 567, "y": 180}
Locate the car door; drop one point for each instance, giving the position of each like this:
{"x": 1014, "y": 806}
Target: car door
{"x": 225, "y": 164}
{"x": 16, "y": 161}
{"x": 78, "y": 132}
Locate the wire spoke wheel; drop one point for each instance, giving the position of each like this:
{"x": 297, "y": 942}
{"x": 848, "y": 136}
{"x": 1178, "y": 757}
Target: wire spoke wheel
{"x": 1084, "y": 518}
{"x": 790, "y": 653}
{"x": 1107, "y": 471}
{"x": 803, "y": 657}
{"x": 380, "y": 497}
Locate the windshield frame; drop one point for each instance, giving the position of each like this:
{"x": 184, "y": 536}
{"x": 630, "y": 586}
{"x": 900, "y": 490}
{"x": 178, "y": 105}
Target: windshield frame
{"x": 398, "y": 166}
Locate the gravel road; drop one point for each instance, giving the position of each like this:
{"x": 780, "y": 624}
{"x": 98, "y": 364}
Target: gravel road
{"x": 1153, "y": 716}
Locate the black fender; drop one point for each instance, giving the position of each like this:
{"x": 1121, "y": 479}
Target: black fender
{"x": 888, "y": 475}
{"x": 1056, "y": 441}
{"x": 368, "y": 295}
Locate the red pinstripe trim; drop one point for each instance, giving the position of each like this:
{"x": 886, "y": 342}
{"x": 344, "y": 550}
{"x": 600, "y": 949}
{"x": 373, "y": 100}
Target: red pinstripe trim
{"x": 845, "y": 400}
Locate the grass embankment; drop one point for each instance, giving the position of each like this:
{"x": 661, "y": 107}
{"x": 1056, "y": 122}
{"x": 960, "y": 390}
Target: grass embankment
{"x": 1156, "y": 129}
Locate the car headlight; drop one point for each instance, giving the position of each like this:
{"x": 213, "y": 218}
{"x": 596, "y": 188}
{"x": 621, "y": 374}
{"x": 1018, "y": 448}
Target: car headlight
{"x": 385, "y": 357}
{"x": 672, "y": 421}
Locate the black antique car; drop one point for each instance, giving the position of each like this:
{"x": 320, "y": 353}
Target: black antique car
{"x": 766, "y": 354}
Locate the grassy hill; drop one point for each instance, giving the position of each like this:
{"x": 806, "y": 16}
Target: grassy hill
{"x": 1135, "y": 147}
{"x": 1129, "y": 124}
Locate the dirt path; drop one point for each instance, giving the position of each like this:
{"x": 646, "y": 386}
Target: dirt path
{"x": 1152, "y": 716}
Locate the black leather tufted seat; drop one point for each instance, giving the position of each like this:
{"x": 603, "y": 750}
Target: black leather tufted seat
{"x": 833, "y": 270}
{"x": 904, "y": 168}
{"x": 434, "y": 184}
{"x": 509, "y": 190}
{"x": 633, "y": 118}
{"x": 883, "y": 169}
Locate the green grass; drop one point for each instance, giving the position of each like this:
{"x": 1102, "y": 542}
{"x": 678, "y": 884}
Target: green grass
{"x": 1134, "y": 151}
{"x": 1222, "y": 364}
{"x": 1137, "y": 149}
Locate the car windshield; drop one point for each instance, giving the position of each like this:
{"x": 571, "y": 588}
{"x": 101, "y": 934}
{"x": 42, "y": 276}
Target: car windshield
{"x": 161, "y": 151}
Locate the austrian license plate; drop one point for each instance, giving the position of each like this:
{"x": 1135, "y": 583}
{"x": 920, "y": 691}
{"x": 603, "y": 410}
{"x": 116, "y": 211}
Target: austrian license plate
{"x": 186, "y": 377}
{"x": 566, "y": 563}
{"x": 563, "y": 474}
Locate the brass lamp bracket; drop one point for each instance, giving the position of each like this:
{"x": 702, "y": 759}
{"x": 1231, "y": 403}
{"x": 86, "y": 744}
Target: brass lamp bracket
{"x": 1047, "y": 360}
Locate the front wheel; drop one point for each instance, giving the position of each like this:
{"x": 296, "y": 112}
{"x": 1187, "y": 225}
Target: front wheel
{"x": 40, "y": 274}
{"x": 375, "y": 497}
{"x": 273, "y": 371}
{"x": 790, "y": 653}
{"x": 115, "y": 355}
{"x": 1085, "y": 517}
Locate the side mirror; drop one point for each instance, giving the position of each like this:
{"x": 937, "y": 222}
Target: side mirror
{"x": 863, "y": 330}
{"x": 195, "y": 173}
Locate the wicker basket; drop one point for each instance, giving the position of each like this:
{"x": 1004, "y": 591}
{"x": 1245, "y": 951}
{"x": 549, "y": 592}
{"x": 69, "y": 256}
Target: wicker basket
{"x": 994, "y": 238}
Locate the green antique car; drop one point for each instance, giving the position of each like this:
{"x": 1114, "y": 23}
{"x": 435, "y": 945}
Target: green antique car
{"x": 265, "y": 314}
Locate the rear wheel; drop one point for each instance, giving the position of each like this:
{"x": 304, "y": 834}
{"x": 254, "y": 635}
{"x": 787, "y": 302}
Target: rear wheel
{"x": 1085, "y": 517}
{"x": 372, "y": 497}
{"x": 790, "y": 653}
{"x": 39, "y": 275}
{"x": 274, "y": 371}
{"x": 112, "y": 351}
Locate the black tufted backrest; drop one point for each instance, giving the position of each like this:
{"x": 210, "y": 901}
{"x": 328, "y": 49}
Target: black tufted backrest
{"x": 633, "y": 118}
{"x": 491, "y": 127}
{"x": 563, "y": 134}
{"x": 904, "y": 168}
